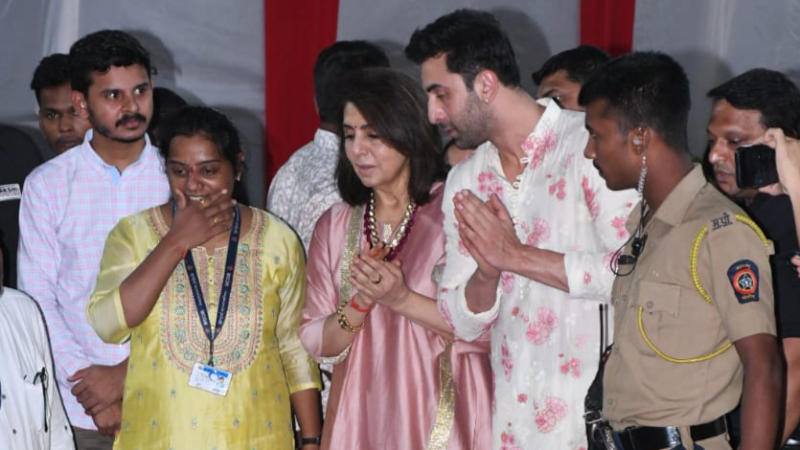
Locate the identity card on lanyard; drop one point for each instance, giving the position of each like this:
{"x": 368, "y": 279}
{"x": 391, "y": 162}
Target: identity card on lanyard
{"x": 206, "y": 376}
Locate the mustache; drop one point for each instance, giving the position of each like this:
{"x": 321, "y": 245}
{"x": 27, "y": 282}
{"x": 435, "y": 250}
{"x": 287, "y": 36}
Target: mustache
{"x": 128, "y": 117}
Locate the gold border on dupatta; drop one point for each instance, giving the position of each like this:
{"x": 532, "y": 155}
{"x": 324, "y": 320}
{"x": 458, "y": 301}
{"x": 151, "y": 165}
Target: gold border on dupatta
{"x": 351, "y": 247}
{"x": 440, "y": 435}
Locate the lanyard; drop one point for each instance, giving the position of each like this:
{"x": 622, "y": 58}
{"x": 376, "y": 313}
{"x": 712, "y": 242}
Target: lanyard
{"x": 225, "y": 291}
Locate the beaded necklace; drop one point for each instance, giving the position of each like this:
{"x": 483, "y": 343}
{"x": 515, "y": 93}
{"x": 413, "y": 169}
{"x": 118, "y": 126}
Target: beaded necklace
{"x": 400, "y": 235}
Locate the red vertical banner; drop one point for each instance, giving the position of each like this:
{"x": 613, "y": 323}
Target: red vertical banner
{"x": 294, "y": 33}
{"x": 608, "y": 24}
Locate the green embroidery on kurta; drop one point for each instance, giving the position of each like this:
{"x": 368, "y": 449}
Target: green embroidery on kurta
{"x": 182, "y": 336}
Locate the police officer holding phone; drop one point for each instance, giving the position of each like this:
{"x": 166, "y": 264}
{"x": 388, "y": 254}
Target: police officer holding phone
{"x": 744, "y": 107}
{"x": 693, "y": 314}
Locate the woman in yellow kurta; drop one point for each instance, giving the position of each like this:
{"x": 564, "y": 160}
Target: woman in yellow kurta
{"x": 144, "y": 292}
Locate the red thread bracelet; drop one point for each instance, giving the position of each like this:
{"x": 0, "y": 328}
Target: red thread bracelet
{"x": 359, "y": 308}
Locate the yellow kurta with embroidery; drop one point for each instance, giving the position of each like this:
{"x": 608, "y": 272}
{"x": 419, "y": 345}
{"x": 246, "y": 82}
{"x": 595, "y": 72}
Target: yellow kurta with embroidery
{"x": 259, "y": 343}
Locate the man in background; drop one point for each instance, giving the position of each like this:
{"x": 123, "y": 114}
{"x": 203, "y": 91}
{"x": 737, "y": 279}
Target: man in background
{"x": 165, "y": 103}
{"x": 743, "y": 108}
{"x": 62, "y": 128}
{"x": 61, "y": 125}
{"x": 563, "y": 74}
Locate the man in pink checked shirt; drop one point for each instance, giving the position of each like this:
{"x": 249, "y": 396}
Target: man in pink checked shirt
{"x": 70, "y": 203}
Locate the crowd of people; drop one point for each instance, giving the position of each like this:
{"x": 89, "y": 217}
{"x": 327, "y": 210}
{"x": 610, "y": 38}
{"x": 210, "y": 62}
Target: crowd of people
{"x": 561, "y": 274}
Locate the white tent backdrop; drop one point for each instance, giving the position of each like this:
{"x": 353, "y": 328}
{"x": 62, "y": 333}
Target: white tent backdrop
{"x": 212, "y": 52}
{"x": 537, "y": 28}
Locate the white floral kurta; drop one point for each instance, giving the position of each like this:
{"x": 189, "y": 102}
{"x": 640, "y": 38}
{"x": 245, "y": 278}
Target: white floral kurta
{"x": 305, "y": 186}
{"x": 545, "y": 342}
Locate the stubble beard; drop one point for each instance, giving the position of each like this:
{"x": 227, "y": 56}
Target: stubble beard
{"x": 473, "y": 127}
{"x": 105, "y": 131}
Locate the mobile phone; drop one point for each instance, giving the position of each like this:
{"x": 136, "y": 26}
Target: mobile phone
{"x": 755, "y": 166}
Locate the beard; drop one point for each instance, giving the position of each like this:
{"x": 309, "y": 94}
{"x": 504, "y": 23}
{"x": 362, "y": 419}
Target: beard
{"x": 472, "y": 128}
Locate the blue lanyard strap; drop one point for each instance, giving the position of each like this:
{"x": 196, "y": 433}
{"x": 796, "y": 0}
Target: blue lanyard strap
{"x": 225, "y": 291}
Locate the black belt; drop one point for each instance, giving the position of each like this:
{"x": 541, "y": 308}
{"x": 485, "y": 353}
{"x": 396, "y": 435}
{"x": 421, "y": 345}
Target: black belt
{"x": 654, "y": 438}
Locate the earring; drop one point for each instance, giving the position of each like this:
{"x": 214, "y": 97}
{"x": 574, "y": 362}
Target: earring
{"x": 642, "y": 174}
{"x": 238, "y": 177}
{"x": 637, "y": 140}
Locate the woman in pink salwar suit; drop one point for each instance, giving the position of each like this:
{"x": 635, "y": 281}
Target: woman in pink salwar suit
{"x": 400, "y": 381}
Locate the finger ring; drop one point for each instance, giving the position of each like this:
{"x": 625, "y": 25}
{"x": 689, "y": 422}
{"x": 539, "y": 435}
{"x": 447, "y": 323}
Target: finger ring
{"x": 378, "y": 280}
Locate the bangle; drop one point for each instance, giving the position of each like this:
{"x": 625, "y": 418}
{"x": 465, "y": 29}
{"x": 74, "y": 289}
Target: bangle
{"x": 316, "y": 440}
{"x": 345, "y": 323}
{"x": 359, "y": 308}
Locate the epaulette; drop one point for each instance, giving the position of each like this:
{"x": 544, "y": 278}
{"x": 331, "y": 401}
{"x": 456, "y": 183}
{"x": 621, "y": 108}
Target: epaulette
{"x": 728, "y": 218}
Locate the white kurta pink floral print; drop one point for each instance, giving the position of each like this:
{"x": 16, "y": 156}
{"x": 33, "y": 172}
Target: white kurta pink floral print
{"x": 545, "y": 342}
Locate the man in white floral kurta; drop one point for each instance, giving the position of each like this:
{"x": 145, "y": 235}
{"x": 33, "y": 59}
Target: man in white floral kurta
{"x": 531, "y": 229}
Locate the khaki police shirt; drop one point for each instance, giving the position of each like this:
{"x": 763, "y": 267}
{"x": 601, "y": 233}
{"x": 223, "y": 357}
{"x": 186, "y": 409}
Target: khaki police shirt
{"x": 640, "y": 387}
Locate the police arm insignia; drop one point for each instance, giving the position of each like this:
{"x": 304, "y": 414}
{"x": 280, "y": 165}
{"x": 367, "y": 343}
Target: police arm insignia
{"x": 743, "y": 275}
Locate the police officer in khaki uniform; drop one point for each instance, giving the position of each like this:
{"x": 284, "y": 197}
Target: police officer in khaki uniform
{"x": 694, "y": 318}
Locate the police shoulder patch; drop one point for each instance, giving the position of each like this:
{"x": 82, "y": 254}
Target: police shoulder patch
{"x": 743, "y": 275}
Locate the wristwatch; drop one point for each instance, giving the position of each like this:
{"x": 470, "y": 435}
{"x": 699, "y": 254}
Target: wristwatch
{"x": 310, "y": 440}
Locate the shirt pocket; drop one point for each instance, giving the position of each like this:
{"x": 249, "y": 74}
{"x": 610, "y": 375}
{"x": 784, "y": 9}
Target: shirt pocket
{"x": 668, "y": 331}
{"x": 658, "y": 314}
{"x": 33, "y": 400}
{"x": 659, "y": 298}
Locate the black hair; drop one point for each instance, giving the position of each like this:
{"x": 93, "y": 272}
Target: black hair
{"x": 52, "y": 71}
{"x": 211, "y": 124}
{"x": 769, "y": 92}
{"x": 205, "y": 121}
{"x": 98, "y": 51}
{"x": 335, "y": 62}
{"x": 644, "y": 89}
{"x": 579, "y": 63}
{"x": 165, "y": 103}
{"x": 472, "y": 40}
{"x": 395, "y": 106}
